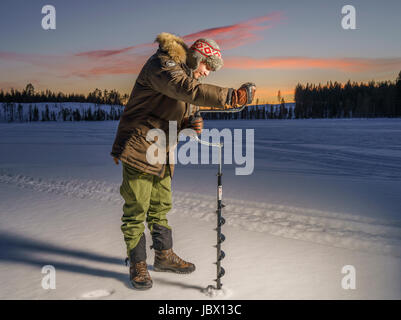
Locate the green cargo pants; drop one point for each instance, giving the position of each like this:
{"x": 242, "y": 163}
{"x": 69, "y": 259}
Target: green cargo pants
{"x": 147, "y": 197}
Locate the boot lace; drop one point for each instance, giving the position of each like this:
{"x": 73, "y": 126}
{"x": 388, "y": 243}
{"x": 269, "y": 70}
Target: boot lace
{"x": 141, "y": 269}
{"x": 176, "y": 259}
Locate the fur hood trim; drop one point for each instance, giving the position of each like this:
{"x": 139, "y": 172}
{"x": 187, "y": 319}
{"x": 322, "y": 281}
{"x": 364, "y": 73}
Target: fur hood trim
{"x": 173, "y": 45}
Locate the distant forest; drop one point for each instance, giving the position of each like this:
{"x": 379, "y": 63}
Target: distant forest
{"x": 352, "y": 100}
{"x": 333, "y": 100}
{"x": 97, "y": 96}
{"x": 65, "y": 111}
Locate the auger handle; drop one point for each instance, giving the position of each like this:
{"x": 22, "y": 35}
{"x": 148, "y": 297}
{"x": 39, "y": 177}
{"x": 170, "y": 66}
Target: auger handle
{"x": 214, "y": 109}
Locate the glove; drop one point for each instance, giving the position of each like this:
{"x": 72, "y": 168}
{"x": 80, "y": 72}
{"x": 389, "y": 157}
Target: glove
{"x": 244, "y": 95}
{"x": 194, "y": 122}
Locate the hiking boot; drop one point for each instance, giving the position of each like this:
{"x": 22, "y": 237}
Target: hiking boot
{"x": 167, "y": 260}
{"x": 138, "y": 269}
{"x": 139, "y": 275}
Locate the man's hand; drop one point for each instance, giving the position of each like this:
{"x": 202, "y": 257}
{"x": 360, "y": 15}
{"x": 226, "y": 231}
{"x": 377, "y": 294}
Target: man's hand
{"x": 194, "y": 122}
{"x": 115, "y": 160}
{"x": 244, "y": 95}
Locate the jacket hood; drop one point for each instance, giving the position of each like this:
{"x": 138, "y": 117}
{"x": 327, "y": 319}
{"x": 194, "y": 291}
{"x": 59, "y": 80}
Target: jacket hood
{"x": 173, "y": 45}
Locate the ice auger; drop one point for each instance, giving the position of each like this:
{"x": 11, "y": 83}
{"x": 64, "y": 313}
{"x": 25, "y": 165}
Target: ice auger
{"x": 220, "y": 220}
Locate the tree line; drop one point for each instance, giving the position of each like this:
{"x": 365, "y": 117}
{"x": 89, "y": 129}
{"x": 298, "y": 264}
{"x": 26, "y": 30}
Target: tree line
{"x": 279, "y": 111}
{"x": 12, "y": 112}
{"x": 352, "y": 100}
{"x": 282, "y": 110}
{"x": 29, "y": 95}
{"x": 333, "y": 100}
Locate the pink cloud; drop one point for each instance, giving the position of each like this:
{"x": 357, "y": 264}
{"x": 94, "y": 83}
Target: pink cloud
{"x": 228, "y": 36}
{"x": 238, "y": 34}
{"x": 108, "y": 53}
{"x": 123, "y": 65}
{"x": 343, "y": 64}
{"x": 130, "y": 59}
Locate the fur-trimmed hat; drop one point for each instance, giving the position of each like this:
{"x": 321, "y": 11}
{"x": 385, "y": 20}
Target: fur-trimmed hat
{"x": 206, "y": 50}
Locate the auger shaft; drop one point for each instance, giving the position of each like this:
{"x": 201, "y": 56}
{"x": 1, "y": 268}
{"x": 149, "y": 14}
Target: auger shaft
{"x": 220, "y": 219}
{"x": 220, "y": 205}
{"x": 220, "y": 236}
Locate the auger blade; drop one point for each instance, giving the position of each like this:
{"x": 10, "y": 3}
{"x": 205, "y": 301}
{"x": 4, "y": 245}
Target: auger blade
{"x": 222, "y": 255}
{"x": 222, "y": 238}
{"x": 222, "y": 221}
{"x": 222, "y": 272}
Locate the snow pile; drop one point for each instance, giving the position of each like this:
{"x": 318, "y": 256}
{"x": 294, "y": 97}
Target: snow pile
{"x": 213, "y": 292}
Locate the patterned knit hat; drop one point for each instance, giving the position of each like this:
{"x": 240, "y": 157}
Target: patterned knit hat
{"x": 206, "y": 50}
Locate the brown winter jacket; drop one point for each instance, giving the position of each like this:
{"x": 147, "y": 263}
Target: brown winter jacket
{"x": 164, "y": 91}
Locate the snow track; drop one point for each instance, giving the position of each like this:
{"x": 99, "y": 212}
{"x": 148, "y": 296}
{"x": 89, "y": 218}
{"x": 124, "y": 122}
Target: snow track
{"x": 327, "y": 228}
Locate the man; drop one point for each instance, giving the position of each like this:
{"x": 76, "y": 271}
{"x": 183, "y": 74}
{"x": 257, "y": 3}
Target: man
{"x": 167, "y": 89}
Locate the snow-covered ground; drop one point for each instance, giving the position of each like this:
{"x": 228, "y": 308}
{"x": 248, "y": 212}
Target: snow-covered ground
{"x": 324, "y": 194}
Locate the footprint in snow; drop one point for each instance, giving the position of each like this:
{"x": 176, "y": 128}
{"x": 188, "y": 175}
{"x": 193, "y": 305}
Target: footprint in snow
{"x": 96, "y": 294}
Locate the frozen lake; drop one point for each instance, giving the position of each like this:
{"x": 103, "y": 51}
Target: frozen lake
{"x": 334, "y": 184}
{"x": 352, "y": 166}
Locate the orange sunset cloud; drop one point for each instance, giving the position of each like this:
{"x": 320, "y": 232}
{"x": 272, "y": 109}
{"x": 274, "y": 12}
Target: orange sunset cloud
{"x": 95, "y": 64}
{"x": 269, "y": 94}
{"x": 130, "y": 59}
{"x": 228, "y": 37}
{"x": 343, "y": 64}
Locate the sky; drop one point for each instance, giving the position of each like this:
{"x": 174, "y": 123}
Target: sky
{"x": 275, "y": 44}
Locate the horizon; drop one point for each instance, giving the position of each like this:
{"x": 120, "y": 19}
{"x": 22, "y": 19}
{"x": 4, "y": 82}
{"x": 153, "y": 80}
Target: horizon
{"x": 102, "y": 90}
